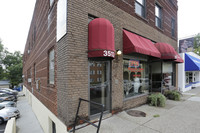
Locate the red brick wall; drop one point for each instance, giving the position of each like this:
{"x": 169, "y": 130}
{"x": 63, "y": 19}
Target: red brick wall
{"x": 169, "y": 11}
{"x": 44, "y": 25}
{"x": 71, "y": 58}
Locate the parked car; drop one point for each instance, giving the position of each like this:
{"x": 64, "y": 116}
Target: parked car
{"x": 8, "y": 104}
{"x": 6, "y": 97}
{"x": 8, "y": 112}
{"x": 7, "y": 91}
{"x": 10, "y": 90}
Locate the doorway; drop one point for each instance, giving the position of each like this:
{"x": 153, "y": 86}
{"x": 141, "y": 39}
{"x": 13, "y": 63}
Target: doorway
{"x": 99, "y": 85}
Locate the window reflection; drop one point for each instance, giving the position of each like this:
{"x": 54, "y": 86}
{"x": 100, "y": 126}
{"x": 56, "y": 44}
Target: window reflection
{"x": 136, "y": 77}
{"x": 140, "y": 7}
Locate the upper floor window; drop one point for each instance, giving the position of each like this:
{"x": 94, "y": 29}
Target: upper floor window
{"x": 51, "y": 2}
{"x": 34, "y": 72}
{"x": 173, "y": 27}
{"x": 158, "y": 14}
{"x": 51, "y": 67}
{"x": 140, "y": 7}
{"x": 61, "y": 28}
{"x": 92, "y": 72}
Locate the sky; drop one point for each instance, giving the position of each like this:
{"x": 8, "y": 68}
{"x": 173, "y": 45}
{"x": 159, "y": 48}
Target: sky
{"x": 188, "y": 18}
{"x": 15, "y": 19}
{"x": 16, "y": 15}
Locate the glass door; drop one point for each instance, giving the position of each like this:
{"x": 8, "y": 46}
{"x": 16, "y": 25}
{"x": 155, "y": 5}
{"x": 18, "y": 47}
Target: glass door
{"x": 99, "y": 85}
{"x": 156, "y": 76}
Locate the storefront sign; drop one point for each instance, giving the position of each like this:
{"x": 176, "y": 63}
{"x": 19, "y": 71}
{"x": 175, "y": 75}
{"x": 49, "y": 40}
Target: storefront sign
{"x": 134, "y": 66}
{"x": 108, "y": 53}
{"x": 134, "y": 63}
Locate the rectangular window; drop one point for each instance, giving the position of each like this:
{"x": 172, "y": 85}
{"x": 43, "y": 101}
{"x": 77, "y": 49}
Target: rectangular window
{"x": 173, "y": 27}
{"x": 92, "y": 72}
{"x": 140, "y": 8}
{"x": 29, "y": 74}
{"x": 53, "y": 127}
{"x": 92, "y": 64}
{"x": 158, "y": 16}
{"x": 34, "y": 72}
{"x": 98, "y": 79}
{"x": 186, "y": 77}
{"x": 99, "y": 72}
{"x": 91, "y": 80}
{"x": 136, "y": 77}
{"x": 61, "y": 19}
{"x": 51, "y": 2}
{"x": 167, "y": 69}
{"x": 98, "y": 65}
{"x": 51, "y": 67}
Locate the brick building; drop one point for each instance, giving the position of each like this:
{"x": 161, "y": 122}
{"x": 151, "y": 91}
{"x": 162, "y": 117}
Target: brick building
{"x": 71, "y": 52}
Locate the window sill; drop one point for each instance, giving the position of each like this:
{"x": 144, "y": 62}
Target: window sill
{"x": 133, "y": 97}
{"x": 51, "y": 85}
{"x": 143, "y": 18}
{"x": 173, "y": 37}
{"x": 160, "y": 29}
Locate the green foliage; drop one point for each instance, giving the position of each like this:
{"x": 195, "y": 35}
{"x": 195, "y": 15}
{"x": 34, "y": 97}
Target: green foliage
{"x": 10, "y": 66}
{"x": 157, "y": 99}
{"x": 15, "y": 74}
{"x": 172, "y": 95}
{"x": 156, "y": 115}
{"x": 197, "y": 44}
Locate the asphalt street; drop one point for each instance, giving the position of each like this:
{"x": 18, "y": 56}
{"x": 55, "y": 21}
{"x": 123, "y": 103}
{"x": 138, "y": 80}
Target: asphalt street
{"x": 2, "y": 127}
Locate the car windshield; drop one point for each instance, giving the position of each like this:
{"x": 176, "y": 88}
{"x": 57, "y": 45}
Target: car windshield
{"x": 1, "y": 107}
{"x": 3, "y": 95}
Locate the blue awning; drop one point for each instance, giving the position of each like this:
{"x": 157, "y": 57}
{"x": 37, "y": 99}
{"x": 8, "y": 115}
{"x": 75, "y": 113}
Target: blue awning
{"x": 191, "y": 63}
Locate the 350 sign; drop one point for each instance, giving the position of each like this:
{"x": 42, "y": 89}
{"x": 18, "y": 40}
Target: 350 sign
{"x": 108, "y": 53}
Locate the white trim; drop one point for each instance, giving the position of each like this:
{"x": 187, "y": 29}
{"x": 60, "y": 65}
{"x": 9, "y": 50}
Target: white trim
{"x": 43, "y": 114}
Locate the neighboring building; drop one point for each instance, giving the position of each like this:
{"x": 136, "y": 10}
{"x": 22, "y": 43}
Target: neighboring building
{"x": 4, "y": 84}
{"x": 71, "y": 53}
{"x": 189, "y": 71}
{"x": 189, "y": 44}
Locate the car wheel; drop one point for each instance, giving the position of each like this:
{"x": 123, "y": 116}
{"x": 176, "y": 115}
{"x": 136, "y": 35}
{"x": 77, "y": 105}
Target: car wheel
{"x": 1, "y": 120}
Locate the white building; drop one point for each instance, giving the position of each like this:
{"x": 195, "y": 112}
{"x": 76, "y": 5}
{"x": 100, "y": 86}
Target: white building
{"x": 189, "y": 71}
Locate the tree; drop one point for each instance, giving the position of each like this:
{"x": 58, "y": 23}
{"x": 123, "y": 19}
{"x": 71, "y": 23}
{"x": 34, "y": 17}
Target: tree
{"x": 1, "y": 58}
{"x": 10, "y": 66}
{"x": 15, "y": 74}
{"x": 197, "y": 44}
{"x": 13, "y": 67}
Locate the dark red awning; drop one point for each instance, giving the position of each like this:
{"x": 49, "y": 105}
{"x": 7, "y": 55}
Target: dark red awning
{"x": 101, "y": 38}
{"x": 167, "y": 51}
{"x": 134, "y": 43}
{"x": 179, "y": 59}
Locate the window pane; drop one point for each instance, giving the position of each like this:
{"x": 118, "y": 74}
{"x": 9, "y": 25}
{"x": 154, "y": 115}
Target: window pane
{"x": 138, "y": 9}
{"x": 61, "y": 19}
{"x": 158, "y": 11}
{"x": 51, "y": 67}
{"x": 141, "y": 2}
{"x": 136, "y": 77}
{"x": 51, "y": 2}
{"x": 173, "y": 27}
{"x": 158, "y": 22}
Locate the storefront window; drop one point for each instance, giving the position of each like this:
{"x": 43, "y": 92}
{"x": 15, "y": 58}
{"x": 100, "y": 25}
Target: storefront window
{"x": 188, "y": 77}
{"x": 136, "y": 77}
{"x": 167, "y": 74}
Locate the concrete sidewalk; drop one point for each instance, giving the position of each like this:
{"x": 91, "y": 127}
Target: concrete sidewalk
{"x": 176, "y": 117}
{"x": 27, "y": 122}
